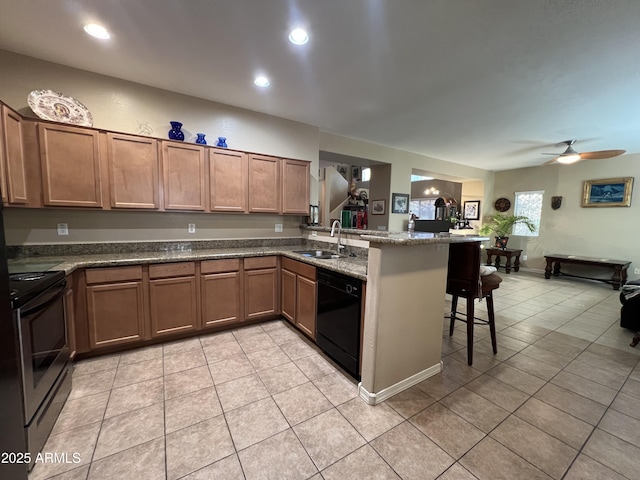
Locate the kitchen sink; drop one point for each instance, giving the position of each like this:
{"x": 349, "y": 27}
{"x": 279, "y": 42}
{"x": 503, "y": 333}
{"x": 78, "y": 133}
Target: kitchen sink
{"x": 322, "y": 254}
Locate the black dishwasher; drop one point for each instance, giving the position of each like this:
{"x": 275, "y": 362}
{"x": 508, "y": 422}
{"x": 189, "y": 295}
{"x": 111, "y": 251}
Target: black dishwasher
{"x": 338, "y": 322}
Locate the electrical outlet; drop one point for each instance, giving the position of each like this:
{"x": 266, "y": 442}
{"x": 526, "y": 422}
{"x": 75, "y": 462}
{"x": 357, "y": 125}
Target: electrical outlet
{"x": 524, "y": 258}
{"x": 636, "y": 271}
{"x": 314, "y": 233}
{"x": 191, "y": 228}
{"x": 278, "y": 227}
{"x": 63, "y": 229}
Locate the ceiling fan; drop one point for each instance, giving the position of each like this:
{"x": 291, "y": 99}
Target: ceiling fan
{"x": 571, "y": 156}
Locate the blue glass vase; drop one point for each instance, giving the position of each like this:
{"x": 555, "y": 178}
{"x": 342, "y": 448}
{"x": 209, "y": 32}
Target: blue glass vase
{"x": 201, "y": 139}
{"x": 175, "y": 133}
{"x": 222, "y": 142}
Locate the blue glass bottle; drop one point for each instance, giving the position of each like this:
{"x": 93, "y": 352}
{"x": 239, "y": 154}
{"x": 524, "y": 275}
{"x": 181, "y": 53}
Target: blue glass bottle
{"x": 201, "y": 139}
{"x": 175, "y": 133}
{"x": 222, "y": 142}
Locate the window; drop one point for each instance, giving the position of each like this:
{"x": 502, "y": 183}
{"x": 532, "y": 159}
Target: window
{"x": 530, "y": 205}
{"x": 424, "y": 208}
{"x": 366, "y": 175}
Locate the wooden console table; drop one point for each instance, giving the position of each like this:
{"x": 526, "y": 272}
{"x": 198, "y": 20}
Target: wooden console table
{"x": 619, "y": 267}
{"x": 507, "y": 252}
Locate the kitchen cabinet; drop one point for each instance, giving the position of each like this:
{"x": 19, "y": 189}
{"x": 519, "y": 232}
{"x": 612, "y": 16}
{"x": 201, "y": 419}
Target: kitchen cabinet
{"x": 133, "y": 171}
{"x": 299, "y": 295}
{"x": 13, "y": 177}
{"x": 184, "y": 176}
{"x": 295, "y": 187}
{"x": 173, "y": 298}
{"x": 70, "y": 161}
{"x": 261, "y": 287}
{"x": 228, "y": 177}
{"x": 264, "y": 184}
{"x": 221, "y": 287}
{"x": 115, "y": 306}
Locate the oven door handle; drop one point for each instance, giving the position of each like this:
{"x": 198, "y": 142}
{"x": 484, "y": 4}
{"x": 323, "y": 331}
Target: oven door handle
{"x": 43, "y": 301}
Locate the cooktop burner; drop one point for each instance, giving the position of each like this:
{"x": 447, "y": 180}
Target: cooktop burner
{"x": 26, "y": 286}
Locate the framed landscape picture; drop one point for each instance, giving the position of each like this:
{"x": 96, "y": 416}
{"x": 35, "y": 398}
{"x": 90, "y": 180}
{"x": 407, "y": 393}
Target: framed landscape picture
{"x": 608, "y": 192}
{"x": 400, "y": 203}
{"x": 377, "y": 207}
{"x": 472, "y": 210}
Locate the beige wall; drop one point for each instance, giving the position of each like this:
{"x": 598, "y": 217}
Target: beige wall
{"x": 125, "y": 106}
{"x": 402, "y": 163}
{"x": 31, "y": 227}
{"x": 572, "y": 229}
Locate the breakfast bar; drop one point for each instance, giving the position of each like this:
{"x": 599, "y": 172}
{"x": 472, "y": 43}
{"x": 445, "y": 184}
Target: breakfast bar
{"x": 406, "y": 282}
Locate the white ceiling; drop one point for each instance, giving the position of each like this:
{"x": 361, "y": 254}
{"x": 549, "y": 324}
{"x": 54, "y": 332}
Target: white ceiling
{"x": 487, "y": 83}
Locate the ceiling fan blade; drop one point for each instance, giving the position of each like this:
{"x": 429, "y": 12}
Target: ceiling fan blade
{"x": 550, "y": 162}
{"x": 597, "y": 155}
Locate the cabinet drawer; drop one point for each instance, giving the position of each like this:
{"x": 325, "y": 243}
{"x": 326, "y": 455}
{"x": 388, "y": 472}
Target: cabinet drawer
{"x": 254, "y": 263}
{"x": 300, "y": 268}
{"x": 114, "y": 274}
{"x": 218, "y": 266}
{"x": 165, "y": 270}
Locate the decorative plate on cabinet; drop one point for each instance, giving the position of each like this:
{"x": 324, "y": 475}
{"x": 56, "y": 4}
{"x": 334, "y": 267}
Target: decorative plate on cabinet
{"x": 502, "y": 204}
{"x": 54, "y": 106}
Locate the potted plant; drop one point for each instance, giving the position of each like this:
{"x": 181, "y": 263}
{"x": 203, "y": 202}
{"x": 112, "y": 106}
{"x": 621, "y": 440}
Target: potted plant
{"x": 501, "y": 225}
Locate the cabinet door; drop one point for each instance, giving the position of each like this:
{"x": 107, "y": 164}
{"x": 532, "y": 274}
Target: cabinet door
{"x": 173, "y": 305}
{"x": 260, "y": 293}
{"x": 228, "y": 181}
{"x": 183, "y": 170}
{"x": 133, "y": 171}
{"x": 264, "y": 184}
{"x": 288, "y": 295}
{"x": 115, "y": 314}
{"x": 70, "y": 159}
{"x": 306, "y": 306}
{"x": 14, "y": 171}
{"x": 221, "y": 299}
{"x": 295, "y": 187}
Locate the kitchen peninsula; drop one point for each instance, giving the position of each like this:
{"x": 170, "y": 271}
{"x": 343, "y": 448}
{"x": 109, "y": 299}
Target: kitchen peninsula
{"x": 406, "y": 282}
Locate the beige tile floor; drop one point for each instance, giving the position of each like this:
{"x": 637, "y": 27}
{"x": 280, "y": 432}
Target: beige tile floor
{"x": 560, "y": 400}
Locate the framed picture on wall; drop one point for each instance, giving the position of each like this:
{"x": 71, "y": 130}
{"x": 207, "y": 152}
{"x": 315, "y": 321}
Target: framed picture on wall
{"x": 377, "y": 207}
{"x": 472, "y": 210}
{"x": 400, "y": 203}
{"x": 355, "y": 173}
{"x": 609, "y": 192}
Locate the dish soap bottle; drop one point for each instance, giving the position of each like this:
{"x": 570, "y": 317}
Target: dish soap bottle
{"x": 412, "y": 223}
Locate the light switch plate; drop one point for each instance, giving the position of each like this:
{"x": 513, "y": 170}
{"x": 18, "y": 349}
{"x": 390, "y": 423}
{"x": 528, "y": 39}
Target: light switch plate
{"x": 314, "y": 233}
{"x": 278, "y": 227}
{"x": 63, "y": 229}
{"x": 636, "y": 271}
{"x": 192, "y": 228}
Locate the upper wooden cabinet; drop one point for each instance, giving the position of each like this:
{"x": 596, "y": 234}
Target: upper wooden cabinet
{"x": 133, "y": 171}
{"x": 228, "y": 181}
{"x": 70, "y": 158}
{"x": 13, "y": 178}
{"x": 295, "y": 187}
{"x": 264, "y": 184}
{"x": 184, "y": 175}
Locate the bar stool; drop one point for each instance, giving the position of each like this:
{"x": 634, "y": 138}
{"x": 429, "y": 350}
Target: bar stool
{"x": 464, "y": 280}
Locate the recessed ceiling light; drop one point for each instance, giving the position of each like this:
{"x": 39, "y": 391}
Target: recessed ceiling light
{"x": 262, "y": 81}
{"x": 298, "y": 36}
{"x": 97, "y": 31}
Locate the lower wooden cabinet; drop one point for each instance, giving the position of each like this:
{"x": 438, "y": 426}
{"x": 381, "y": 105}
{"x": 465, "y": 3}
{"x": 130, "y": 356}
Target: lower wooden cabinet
{"x": 115, "y": 306}
{"x": 221, "y": 287}
{"x": 299, "y": 295}
{"x": 172, "y": 303}
{"x": 261, "y": 287}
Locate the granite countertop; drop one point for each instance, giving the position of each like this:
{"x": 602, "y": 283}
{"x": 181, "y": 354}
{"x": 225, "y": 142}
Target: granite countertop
{"x": 420, "y": 238}
{"x": 352, "y": 266}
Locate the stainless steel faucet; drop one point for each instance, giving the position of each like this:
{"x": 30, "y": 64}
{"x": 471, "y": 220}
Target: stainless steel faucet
{"x": 333, "y": 231}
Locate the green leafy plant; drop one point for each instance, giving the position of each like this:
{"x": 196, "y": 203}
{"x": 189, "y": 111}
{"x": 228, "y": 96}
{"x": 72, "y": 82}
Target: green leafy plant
{"x": 501, "y": 225}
